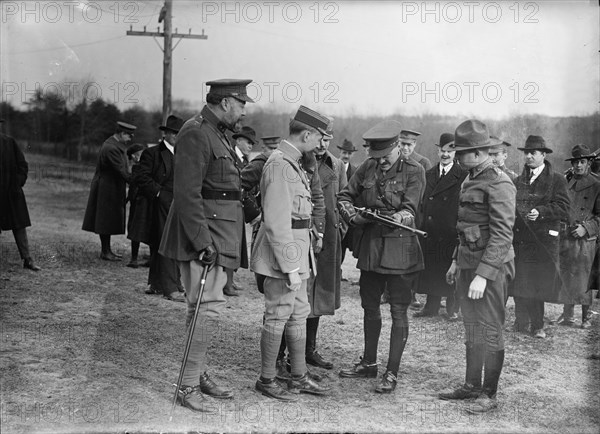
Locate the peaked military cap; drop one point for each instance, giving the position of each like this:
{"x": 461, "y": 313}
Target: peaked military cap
{"x": 498, "y": 145}
{"x": 446, "y": 142}
{"x": 347, "y": 146}
{"x": 128, "y": 128}
{"x": 271, "y": 141}
{"x": 382, "y": 138}
{"x": 230, "y": 87}
{"x": 174, "y": 124}
{"x": 248, "y": 133}
{"x": 536, "y": 143}
{"x": 579, "y": 152}
{"x": 471, "y": 134}
{"x": 409, "y": 136}
{"x": 312, "y": 119}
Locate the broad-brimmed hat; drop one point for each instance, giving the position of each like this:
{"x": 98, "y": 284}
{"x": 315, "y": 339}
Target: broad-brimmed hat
{"x": 471, "y": 134}
{"x": 446, "y": 142}
{"x": 173, "y": 124}
{"x": 536, "y": 143}
{"x": 498, "y": 145}
{"x": 347, "y": 146}
{"x": 248, "y": 133}
{"x": 382, "y": 138}
{"x": 271, "y": 141}
{"x": 580, "y": 152}
{"x": 230, "y": 87}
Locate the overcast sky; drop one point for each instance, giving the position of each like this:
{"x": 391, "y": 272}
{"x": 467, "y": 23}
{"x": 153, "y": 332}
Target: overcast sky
{"x": 486, "y": 59}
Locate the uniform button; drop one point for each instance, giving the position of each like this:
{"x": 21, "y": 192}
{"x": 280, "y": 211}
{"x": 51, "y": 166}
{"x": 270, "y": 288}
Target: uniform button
{"x": 430, "y": 197}
{"x": 214, "y": 215}
{"x": 429, "y": 218}
{"x": 335, "y": 225}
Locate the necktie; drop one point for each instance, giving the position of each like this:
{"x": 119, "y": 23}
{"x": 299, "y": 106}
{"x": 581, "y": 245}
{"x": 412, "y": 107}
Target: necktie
{"x": 529, "y": 177}
{"x": 443, "y": 173}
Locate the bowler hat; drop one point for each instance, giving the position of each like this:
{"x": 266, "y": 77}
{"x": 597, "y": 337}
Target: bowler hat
{"x": 580, "y": 151}
{"x": 446, "y": 142}
{"x": 230, "y": 87}
{"x": 536, "y": 143}
{"x": 382, "y": 138}
{"x": 347, "y": 146}
{"x": 173, "y": 124}
{"x": 471, "y": 134}
{"x": 248, "y": 133}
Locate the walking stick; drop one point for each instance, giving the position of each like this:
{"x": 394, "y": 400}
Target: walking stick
{"x": 186, "y": 352}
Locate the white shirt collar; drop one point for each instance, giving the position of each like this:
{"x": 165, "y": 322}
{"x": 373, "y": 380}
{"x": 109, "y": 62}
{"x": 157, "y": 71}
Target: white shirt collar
{"x": 239, "y": 153}
{"x": 169, "y": 146}
{"x": 446, "y": 168}
{"x": 536, "y": 172}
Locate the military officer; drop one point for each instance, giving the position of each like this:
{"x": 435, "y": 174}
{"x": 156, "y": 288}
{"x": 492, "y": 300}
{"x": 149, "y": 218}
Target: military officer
{"x": 105, "y": 210}
{"x": 485, "y": 261}
{"x": 282, "y": 252}
{"x": 408, "y": 143}
{"x": 578, "y": 241}
{"x": 392, "y": 257}
{"x": 499, "y": 154}
{"x": 205, "y": 224}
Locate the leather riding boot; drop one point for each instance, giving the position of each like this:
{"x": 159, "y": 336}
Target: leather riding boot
{"x": 372, "y": 329}
{"x": 475, "y": 356}
{"x": 312, "y": 325}
{"x": 494, "y": 360}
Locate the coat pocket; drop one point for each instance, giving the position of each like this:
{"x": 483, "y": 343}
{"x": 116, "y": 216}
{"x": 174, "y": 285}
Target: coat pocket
{"x": 472, "y": 235}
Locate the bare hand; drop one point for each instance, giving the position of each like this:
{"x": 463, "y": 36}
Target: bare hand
{"x": 451, "y": 274}
{"x": 477, "y": 287}
{"x": 294, "y": 281}
{"x": 579, "y": 232}
{"x": 359, "y": 220}
{"x": 533, "y": 215}
{"x": 318, "y": 245}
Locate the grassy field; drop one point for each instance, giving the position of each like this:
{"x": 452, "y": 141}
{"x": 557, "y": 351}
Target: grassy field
{"x": 83, "y": 349}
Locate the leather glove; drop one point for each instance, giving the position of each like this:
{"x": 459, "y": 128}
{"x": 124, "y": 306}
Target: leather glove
{"x": 347, "y": 211}
{"x": 359, "y": 220}
{"x": 208, "y": 256}
{"x": 404, "y": 217}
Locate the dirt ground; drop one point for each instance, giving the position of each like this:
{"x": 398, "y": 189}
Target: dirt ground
{"x": 83, "y": 349}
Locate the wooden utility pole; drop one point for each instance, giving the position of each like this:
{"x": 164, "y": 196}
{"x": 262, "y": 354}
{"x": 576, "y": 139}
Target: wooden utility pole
{"x": 167, "y": 49}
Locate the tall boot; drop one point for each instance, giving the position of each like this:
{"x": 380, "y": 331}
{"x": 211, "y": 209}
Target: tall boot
{"x": 472, "y": 387}
{"x": 367, "y": 367}
{"x": 312, "y": 356}
{"x": 494, "y": 360}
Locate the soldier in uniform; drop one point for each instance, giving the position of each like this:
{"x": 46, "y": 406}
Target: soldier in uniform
{"x": 14, "y": 215}
{"x": 387, "y": 256}
{"x": 105, "y": 211}
{"x": 205, "y": 225}
{"x": 499, "y": 154}
{"x": 483, "y": 264}
{"x": 282, "y": 252}
{"x": 439, "y": 209}
{"x": 542, "y": 209}
{"x": 578, "y": 241}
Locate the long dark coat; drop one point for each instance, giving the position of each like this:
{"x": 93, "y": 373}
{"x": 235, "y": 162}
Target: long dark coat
{"x": 105, "y": 211}
{"x": 577, "y": 254}
{"x": 324, "y": 293}
{"x": 13, "y": 174}
{"x": 439, "y": 212}
{"x": 536, "y": 243}
{"x": 205, "y": 164}
{"x": 347, "y": 241}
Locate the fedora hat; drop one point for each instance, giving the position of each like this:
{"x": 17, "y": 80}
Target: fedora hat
{"x": 248, "y": 133}
{"x": 536, "y": 143}
{"x": 579, "y": 152}
{"x": 446, "y": 142}
{"x": 471, "y": 134}
{"x": 173, "y": 124}
{"x": 347, "y": 146}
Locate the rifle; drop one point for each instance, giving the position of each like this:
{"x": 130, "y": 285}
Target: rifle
{"x": 388, "y": 221}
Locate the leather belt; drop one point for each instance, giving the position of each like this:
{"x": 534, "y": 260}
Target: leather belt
{"x": 301, "y": 224}
{"x": 221, "y": 194}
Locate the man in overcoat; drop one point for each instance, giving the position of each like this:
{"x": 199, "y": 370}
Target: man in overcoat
{"x": 105, "y": 211}
{"x": 14, "y": 215}
{"x": 347, "y": 149}
{"x": 542, "y": 205}
{"x": 483, "y": 264}
{"x": 324, "y": 288}
{"x": 439, "y": 210}
{"x": 578, "y": 241}
{"x": 154, "y": 178}
{"x": 205, "y": 225}
{"x": 387, "y": 256}
{"x": 283, "y": 253}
